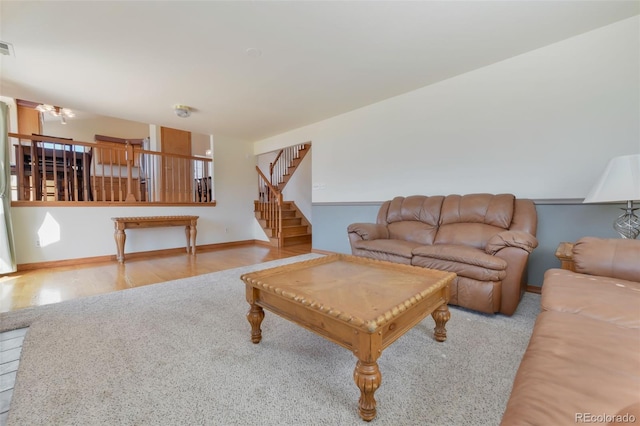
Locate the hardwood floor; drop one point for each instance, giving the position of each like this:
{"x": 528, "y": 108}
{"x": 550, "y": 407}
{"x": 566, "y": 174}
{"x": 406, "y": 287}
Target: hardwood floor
{"x": 52, "y": 285}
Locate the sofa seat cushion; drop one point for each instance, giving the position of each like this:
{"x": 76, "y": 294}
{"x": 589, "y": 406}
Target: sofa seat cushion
{"x": 394, "y": 247}
{"x": 465, "y": 261}
{"x": 606, "y": 299}
{"x": 574, "y": 364}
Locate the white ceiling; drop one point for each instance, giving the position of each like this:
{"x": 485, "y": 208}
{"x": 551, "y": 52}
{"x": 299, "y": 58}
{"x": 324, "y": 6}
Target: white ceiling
{"x": 135, "y": 60}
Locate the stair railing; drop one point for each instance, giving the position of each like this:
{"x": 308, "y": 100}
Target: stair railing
{"x": 270, "y": 206}
{"x": 282, "y": 163}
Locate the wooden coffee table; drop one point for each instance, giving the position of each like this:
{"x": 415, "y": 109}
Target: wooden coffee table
{"x": 361, "y": 304}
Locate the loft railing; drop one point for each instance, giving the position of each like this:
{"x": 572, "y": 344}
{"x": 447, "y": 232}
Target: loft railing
{"x": 54, "y": 170}
{"x": 269, "y": 205}
{"x": 281, "y": 165}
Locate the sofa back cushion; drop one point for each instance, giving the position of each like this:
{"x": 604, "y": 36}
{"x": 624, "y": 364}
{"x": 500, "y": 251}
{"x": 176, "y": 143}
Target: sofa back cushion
{"x": 609, "y": 257}
{"x": 473, "y": 219}
{"x": 413, "y": 218}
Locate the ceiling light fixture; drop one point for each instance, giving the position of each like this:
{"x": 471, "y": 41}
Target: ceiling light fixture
{"x": 253, "y": 52}
{"x": 182, "y": 111}
{"x": 56, "y": 111}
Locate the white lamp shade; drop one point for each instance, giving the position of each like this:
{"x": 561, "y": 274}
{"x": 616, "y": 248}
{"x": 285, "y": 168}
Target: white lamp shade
{"x": 619, "y": 182}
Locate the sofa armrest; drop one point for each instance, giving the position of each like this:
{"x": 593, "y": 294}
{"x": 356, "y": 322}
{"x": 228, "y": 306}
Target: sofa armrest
{"x": 368, "y": 231}
{"x": 518, "y": 239}
{"x": 608, "y": 257}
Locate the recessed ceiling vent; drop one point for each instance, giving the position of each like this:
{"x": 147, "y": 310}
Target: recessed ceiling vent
{"x": 6, "y": 48}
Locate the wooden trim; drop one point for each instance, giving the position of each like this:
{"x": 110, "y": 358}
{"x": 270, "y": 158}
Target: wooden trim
{"x": 534, "y": 289}
{"x": 263, "y": 243}
{"x": 27, "y": 104}
{"x": 537, "y": 201}
{"x": 102, "y": 138}
{"x": 323, "y": 251}
{"x": 135, "y": 255}
{"x": 106, "y": 204}
{"x": 564, "y": 253}
{"x": 45, "y": 138}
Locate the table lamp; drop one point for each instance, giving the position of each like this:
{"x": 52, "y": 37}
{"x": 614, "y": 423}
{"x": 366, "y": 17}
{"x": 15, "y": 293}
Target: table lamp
{"x": 620, "y": 181}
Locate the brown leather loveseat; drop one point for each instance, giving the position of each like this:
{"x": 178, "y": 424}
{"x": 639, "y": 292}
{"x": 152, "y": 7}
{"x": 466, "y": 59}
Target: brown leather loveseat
{"x": 485, "y": 239}
{"x": 582, "y": 364}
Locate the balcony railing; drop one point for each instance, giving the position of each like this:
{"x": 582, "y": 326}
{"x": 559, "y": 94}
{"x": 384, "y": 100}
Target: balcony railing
{"x": 55, "y": 170}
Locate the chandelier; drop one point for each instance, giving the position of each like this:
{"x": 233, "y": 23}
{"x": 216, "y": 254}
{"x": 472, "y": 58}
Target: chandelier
{"x": 56, "y": 111}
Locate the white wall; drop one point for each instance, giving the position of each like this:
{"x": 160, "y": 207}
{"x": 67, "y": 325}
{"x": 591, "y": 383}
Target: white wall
{"x": 200, "y": 144}
{"x": 540, "y": 125}
{"x": 84, "y": 130}
{"x": 88, "y": 231}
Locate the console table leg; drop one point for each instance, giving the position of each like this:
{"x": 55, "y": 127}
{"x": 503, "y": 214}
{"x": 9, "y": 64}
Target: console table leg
{"x": 441, "y": 316}
{"x": 187, "y": 232}
{"x": 255, "y": 317}
{"x": 194, "y": 232}
{"x": 120, "y": 238}
{"x": 367, "y": 377}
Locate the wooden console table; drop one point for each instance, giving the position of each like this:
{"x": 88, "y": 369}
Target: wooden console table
{"x": 122, "y": 223}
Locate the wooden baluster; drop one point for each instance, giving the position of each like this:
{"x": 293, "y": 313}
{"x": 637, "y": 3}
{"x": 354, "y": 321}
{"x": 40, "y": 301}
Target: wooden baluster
{"x": 279, "y": 213}
{"x": 180, "y": 185}
{"x": 75, "y": 170}
{"x": 173, "y": 181}
{"x": 43, "y": 174}
{"x": 154, "y": 178}
{"x": 85, "y": 181}
{"x": 55, "y": 173}
{"x": 118, "y": 161}
{"x": 104, "y": 177}
{"x": 65, "y": 191}
{"x": 112, "y": 161}
{"x": 20, "y": 167}
{"x": 128, "y": 156}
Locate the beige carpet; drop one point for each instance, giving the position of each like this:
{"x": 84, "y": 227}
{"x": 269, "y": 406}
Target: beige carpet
{"x": 179, "y": 353}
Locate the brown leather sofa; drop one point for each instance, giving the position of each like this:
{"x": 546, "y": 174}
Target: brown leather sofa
{"x": 485, "y": 239}
{"x": 582, "y": 364}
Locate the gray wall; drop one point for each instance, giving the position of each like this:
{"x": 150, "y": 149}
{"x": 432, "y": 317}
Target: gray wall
{"x": 557, "y": 221}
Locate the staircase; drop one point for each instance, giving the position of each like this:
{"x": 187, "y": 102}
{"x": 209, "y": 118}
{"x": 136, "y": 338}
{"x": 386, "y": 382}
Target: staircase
{"x": 282, "y": 221}
{"x": 285, "y": 164}
{"x": 295, "y": 227}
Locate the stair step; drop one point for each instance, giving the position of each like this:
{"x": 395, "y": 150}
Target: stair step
{"x": 294, "y": 230}
{"x": 292, "y": 241}
{"x": 297, "y": 239}
{"x": 285, "y": 222}
{"x": 286, "y": 214}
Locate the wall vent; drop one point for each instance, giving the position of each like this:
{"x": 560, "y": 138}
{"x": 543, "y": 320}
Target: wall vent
{"x": 6, "y": 48}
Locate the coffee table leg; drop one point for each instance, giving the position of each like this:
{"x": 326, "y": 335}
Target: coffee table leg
{"x": 255, "y": 317}
{"x": 367, "y": 377}
{"x": 441, "y": 316}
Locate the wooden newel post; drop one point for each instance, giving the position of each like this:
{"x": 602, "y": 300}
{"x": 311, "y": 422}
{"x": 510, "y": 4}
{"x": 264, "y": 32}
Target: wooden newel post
{"x": 128, "y": 155}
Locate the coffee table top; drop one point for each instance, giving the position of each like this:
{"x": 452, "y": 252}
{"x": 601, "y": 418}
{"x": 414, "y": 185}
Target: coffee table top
{"x": 363, "y": 292}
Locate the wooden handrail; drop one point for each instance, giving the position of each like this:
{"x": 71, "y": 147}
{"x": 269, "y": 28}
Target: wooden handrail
{"x": 269, "y": 204}
{"x": 273, "y": 165}
{"x": 52, "y": 169}
{"x": 266, "y": 181}
{"x": 279, "y": 170}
